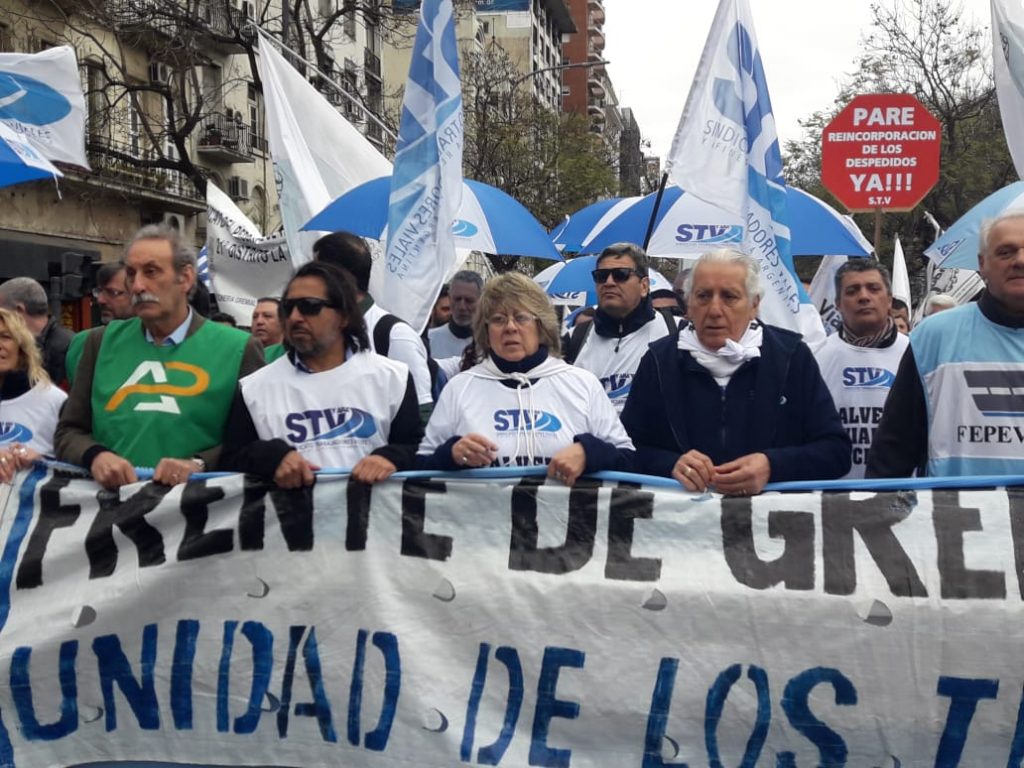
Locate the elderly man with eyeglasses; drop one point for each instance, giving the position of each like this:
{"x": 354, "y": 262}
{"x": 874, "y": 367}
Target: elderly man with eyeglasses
{"x": 624, "y": 325}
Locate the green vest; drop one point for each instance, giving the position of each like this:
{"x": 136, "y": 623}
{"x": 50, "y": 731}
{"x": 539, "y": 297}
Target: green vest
{"x": 151, "y": 402}
{"x": 274, "y": 351}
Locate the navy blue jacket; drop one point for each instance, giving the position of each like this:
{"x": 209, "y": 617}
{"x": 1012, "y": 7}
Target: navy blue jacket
{"x": 776, "y": 404}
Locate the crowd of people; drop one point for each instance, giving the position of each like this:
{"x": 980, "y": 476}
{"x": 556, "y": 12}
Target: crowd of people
{"x": 688, "y": 384}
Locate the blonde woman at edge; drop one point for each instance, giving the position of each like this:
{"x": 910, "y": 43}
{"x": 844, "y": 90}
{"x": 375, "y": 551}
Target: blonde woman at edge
{"x": 29, "y": 402}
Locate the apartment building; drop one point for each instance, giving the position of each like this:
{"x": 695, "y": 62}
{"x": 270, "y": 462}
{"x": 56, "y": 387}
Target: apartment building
{"x": 171, "y": 102}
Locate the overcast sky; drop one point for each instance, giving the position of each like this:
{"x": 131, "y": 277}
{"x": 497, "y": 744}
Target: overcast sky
{"x": 808, "y": 48}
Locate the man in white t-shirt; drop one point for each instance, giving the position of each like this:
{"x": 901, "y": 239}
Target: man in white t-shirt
{"x": 624, "y": 325}
{"x": 859, "y": 363}
{"x": 450, "y": 339}
{"x": 330, "y": 401}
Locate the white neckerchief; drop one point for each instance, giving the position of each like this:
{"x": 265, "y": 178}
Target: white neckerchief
{"x": 526, "y": 438}
{"x": 725, "y": 361}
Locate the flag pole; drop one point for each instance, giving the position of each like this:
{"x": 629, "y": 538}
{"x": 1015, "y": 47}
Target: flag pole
{"x": 654, "y": 213}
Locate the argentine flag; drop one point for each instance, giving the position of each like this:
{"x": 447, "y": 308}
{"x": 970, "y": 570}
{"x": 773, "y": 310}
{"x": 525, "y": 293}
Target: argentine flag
{"x": 426, "y": 183}
{"x": 726, "y": 151}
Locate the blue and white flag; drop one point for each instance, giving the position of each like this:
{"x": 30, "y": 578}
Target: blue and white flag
{"x": 726, "y": 151}
{"x": 1008, "y": 71}
{"x": 426, "y": 184}
{"x": 203, "y": 268}
{"x": 41, "y": 99}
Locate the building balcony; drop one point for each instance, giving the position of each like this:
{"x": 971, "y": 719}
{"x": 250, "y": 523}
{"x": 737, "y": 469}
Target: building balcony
{"x": 596, "y": 5}
{"x": 371, "y": 64}
{"x": 223, "y": 140}
{"x": 596, "y": 113}
{"x": 597, "y": 17}
{"x": 116, "y": 169}
{"x": 596, "y": 40}
{"x": 212, "y": 22}
{"x": 596, "y": 88}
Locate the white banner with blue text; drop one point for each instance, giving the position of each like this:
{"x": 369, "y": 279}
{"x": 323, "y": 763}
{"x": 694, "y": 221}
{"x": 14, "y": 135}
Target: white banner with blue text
{"x": 446, "y": 622}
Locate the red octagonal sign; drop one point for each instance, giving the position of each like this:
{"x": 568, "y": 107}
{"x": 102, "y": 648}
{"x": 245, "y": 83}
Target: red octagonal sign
{"x": 881, "y": 152}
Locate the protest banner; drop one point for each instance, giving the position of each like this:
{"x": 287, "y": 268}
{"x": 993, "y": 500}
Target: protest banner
{"x": 440, "y": 622}
{"x": 242, "y": 264}
{"x": 881, "y": 152}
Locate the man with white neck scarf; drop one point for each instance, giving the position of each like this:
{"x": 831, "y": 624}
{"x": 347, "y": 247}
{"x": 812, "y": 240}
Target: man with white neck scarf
{"x": 731, "y": 403}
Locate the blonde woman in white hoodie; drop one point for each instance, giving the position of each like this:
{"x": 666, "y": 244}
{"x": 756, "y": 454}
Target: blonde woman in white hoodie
{"x": 522, "y": 405}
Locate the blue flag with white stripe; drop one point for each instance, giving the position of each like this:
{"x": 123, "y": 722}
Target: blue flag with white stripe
{"x": 426, "y": 183}
{"x": 726, "y": 151}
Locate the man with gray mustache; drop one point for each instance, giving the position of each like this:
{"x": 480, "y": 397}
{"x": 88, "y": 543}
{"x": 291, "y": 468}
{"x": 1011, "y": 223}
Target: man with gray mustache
{"x": 154, "y": 390}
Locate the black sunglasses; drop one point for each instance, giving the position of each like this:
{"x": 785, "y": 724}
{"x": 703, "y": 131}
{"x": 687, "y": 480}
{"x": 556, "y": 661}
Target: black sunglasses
{"x": 307, "y": 307}
{"x": 619, "y": 274}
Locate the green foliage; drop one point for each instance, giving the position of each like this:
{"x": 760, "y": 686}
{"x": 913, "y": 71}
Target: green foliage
{"x": 550, "y": 162}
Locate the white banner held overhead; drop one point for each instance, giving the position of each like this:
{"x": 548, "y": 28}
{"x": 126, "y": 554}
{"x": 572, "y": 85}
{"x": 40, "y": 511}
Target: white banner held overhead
{"x": 726, "y": 151}
{"x": 243, "y": 265}
{"x": 508, "y": 623}
{"x": 318, "y": 154}
{"x": 41, "y": 98}
{"x": 1008, "y": 69}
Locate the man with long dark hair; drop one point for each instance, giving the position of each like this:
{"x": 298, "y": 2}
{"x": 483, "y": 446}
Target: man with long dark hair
{"x": 330, "y": 401}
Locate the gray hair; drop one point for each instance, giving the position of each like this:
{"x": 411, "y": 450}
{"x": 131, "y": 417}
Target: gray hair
{"x": 987, "y": 225}
{"x": 752, "y": 267}
{"x": 184, "y": 255}
{"x": 633, "y": 251}
{"x": 27, "y": 292}
{"x": 468, "y": 276}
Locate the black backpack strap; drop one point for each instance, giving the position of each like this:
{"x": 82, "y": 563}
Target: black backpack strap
{"x": 670, "y": 320}
{"x": 576, "y": 340}
{"x": 382, "y": 334}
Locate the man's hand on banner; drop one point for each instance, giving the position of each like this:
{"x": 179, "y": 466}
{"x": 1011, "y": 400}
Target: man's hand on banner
{"x": 372, "y": 469}
{"x": 111, "y": 471}
{"x": 746, "y": 476}
{"x": 294, "y": 471}
{"x": 173, "y": 471}
{"x": 694, "y": 470}
{"x": 568, "y": 464}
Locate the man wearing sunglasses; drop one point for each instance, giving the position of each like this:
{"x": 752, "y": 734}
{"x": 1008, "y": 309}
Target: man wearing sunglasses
{"x": 155, "y": 390}
{"x": 331, "y": 401}
{"x": 625, "y": 322}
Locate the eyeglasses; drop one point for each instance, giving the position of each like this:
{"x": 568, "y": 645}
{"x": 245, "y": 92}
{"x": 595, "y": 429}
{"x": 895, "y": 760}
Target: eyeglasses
{"x": 307, "y": 306}
{"x": 110, "y": 293}
{"x": 519, "y": 318}
{"x": 618, "y": 274}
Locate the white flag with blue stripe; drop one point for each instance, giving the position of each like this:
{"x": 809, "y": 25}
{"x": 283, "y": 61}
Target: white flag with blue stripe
{"x": 726, "y": 151}
{"x": 426, "y": 183}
